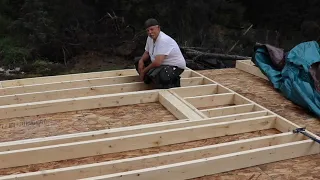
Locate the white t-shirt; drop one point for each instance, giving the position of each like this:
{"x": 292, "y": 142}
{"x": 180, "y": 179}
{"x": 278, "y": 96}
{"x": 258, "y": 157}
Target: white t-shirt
{"x": 165, "y": 45}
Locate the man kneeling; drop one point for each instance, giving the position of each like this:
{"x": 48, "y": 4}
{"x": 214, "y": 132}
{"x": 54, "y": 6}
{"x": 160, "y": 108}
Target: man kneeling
{"x": 162, "y": 62}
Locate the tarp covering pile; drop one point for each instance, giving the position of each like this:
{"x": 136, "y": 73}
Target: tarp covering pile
{"x": 296, "y": 73}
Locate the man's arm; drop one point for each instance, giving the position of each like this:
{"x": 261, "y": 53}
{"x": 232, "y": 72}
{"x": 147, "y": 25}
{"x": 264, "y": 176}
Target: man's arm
{"x": 144, "y": 58}
{"x": 156, "y": 63}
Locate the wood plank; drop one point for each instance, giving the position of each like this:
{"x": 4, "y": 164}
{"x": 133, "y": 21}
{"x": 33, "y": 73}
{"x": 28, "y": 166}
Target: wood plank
{"x": 176, "y": 107}
{"x": 218, "y": 164}
{"x": 212, "y": 100}
{"x": 238, "y": 99}
{"x": 188, "y": 104}
{"x": 131, "y": 142}
{"x": 192, "y": 81}
{"x": 195, "y": 91}
{"x": 245, "y": 66}
{"x": 50, "y": 86}
{"x": 115, "y": 74}
{"x": 284, "y": 125}
{"x": 222, "y": 111}
{"x": 72, "y": 93}
{"x": 69, "y": 77}
{"x": 85, "y": 91}
{"x": 81, "y": 103}
{"x": 123, "y": 131}
{"x": 117, "y": 166}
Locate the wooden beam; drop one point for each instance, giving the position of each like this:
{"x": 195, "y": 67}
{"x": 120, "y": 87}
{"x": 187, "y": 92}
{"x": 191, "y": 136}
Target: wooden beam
{"x": 176, "y": 107}
{"x": 222, "y": 111}
{"x": 225, "y": 99}
{"x": 85, "y": 91}
{"x": 50, "y": 86}
{"x": 188, "y": 104}
{"x": 218, "y": 164}
{"x": 193, "y": 81}
{"x": 124, "y": 131}
{"x": 238, "y": 99}
{"x": 69, "y": 77}
{"x": 249, "y": 67}
{"x": 72, "y": 93}
{"x": 74, "y": 104}
{"x": 77, "y": 77}
{"x": 117, "y": 166}
{"x": 131, "y": 142}
{"x": 195, "y": 91}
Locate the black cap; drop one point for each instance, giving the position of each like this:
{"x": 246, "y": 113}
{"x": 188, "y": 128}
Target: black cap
{"x": 151, "y": 22}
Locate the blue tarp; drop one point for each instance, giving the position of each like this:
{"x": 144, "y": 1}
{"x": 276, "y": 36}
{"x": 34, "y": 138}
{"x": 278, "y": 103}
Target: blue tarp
{"x": 294, "y": 80}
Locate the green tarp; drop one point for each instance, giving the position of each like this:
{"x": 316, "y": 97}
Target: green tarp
{"x": 293, "y": 73}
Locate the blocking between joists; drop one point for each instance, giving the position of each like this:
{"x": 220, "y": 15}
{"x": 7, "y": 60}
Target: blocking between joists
{"x": 177, "y": 107}
{"x": 131, "y": 142}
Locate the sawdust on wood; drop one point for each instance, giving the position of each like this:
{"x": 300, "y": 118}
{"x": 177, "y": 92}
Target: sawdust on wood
{"x": 82, "y": 121}
{"x": 136, "y": 153}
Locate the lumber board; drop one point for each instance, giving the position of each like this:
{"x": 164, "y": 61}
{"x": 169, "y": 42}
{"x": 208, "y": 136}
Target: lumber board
{"x": 176, "y": 107}
{"x": 222, "y": 111}
{"x": 196, "y": 91}
{"x": 85, "y": 91}
{"x": 248, "y": 67}
{"x": 117, "y": 166}
{"x": 69, "y": 77}
{"x": 115, "y": 74}
{"x": 124, "y": 131}
{"x": 217, "y": 164}
{"x": 50, "y": 86}
{"x": 81, "y": 103}
{"x": 225, "y": 99}
{"x": 131, "y": 142}
{"x": 185, "y": 81}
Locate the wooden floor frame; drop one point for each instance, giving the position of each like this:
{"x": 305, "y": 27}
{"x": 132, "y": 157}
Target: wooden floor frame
{"x": 204, "y": 109}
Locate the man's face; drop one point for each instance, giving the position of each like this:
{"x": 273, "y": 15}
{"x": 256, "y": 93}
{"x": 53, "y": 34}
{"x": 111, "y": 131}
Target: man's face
{"x": 153, "y": 31}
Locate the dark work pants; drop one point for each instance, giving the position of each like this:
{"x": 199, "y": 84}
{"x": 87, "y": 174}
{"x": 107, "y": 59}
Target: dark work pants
{"x": 162, "y": 77}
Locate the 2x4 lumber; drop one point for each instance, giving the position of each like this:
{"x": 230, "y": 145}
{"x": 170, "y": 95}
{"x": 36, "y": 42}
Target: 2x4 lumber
{"x": 188, "y": 104}
{"x": 131, "y": 142}
{"x": 246, "y": 66}
{"x": 117, "y": 166}
{"x": 211, "y": 100}
{"x": 72, "y": 93}
{"x": 69, "y": 77}
{"x": 85, "y": 91}
{"x": 74, "y": 104}
{"x": 185, "y": 81}
{"x": 68, "y": 85}
{"x": 258, "y": 106}
{"x": 195, "y": 91}
{"x": 124, "y": 131}
{"x": 176, "y": 107}
{"x": 116, "y": 74}
{"x": 222, "y": 111}
{"x": 218, "y": 164}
